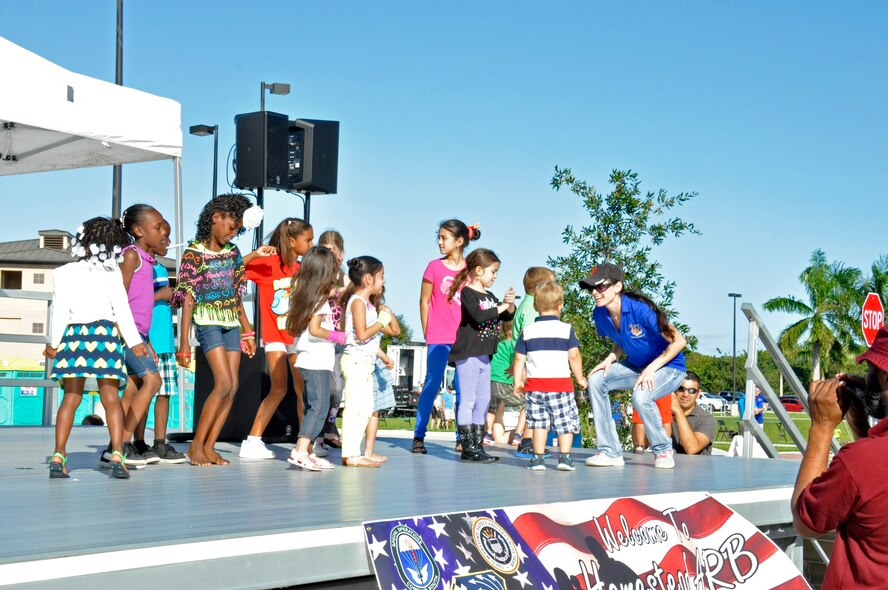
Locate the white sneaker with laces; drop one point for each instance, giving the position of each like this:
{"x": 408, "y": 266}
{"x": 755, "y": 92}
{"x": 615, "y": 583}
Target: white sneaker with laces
{"x": 255, "y": 450}
{"x": 664, "y": 460}
{"x": 601, "y": 459}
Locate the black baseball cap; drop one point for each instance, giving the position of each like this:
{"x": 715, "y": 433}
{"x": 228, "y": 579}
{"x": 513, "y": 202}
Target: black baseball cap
{"x": 601, "y": 273}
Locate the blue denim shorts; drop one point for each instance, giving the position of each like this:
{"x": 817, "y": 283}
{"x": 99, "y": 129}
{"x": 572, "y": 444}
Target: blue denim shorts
{"x": 140, "y": 365}
{"x": 211, "y": 337}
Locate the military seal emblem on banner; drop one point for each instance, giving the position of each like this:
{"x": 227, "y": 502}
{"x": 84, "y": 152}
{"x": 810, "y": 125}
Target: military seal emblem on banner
{"x": 495, "y": 545}
{"x": 414, "y": 562}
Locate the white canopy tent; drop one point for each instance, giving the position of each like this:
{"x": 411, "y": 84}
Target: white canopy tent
{"x": 54, "y": 119}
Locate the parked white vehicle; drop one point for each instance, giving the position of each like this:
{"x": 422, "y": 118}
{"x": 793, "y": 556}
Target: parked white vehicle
{"x": 711, "y": 402}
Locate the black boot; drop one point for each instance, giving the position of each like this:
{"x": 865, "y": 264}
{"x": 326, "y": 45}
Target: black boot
{"x": 469, "y": 450}
{"x": 478, "y": 431}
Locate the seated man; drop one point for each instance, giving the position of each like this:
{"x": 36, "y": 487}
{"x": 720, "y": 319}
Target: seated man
{"x": 693, "y": 428}
{"x": 848, "y": 495}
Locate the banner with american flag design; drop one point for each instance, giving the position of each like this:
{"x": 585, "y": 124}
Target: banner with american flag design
{"x": 673, "y": 541}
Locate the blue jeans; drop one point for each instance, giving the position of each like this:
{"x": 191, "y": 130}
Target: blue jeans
{"x": 436, "y": 363}
{"x": 622, "y": 376}
{"x": 317, "y": 402}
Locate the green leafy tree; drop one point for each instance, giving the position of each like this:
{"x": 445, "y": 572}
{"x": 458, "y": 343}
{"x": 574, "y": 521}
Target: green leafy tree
{"x": 826, "y": 335}
{"x": 625, "y": 227}
{"x": 877, "y": 281}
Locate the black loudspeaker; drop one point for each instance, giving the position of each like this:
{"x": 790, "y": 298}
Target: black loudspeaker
{"x": 254, "y": 383}
{"x": 313, "y": 156}
{"x": 261, "y": 150}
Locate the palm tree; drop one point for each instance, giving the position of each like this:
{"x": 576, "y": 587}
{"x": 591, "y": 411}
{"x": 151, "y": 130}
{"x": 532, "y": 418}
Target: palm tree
{"x": 827, "y": 331}
{"x": 877, "y": 281}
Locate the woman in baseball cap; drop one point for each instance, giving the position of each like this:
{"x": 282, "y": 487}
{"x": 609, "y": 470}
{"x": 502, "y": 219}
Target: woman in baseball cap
{"x": 653, "y": 367}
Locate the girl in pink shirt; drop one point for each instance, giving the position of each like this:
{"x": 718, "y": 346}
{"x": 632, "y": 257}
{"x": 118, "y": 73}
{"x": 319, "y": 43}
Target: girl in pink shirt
{"x": 440, "y": 317}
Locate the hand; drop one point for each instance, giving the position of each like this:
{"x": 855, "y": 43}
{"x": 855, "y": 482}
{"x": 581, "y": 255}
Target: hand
{"x": 265, "y": 250}
{"x": 646, "y": 379}
{"x": 49, "y": 352}
{"x": 248, "y": 347}
{"x": 163, "y": 294}
{"x": 509, "y": 297}
{"x": 183, "y": 357}
{"x": 602, "y": 366}
{"x": 389, "y": 363}
{"x": 384, "y": 317}
{"x": 583, "y": 383}
{"x": 823, "y": 403}
{"x": 676, "y": 407}
{"x": 385, "y": 308}
{"x": 519, "y": 390}
{"x": 139, "y": 349}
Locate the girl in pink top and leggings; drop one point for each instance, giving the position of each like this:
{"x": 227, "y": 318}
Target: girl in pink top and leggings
{"x": 440, "y": 317}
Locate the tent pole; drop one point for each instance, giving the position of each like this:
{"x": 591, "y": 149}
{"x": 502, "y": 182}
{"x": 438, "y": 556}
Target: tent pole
{"x": 180, "y": 237}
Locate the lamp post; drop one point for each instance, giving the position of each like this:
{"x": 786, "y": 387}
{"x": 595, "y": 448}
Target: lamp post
{"x": 734, "y": 296}
{"x": 279, "y": 89}
{"x": 203, "y": 131}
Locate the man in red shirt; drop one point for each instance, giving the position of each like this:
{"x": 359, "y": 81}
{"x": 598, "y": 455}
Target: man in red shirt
{"x": 849, "y": 495}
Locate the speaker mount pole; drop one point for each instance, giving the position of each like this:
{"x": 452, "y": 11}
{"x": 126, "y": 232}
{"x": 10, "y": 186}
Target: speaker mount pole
{"x": 307, "y": 206}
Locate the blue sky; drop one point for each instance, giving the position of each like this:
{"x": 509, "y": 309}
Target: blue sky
{"x": 773, "y": 112}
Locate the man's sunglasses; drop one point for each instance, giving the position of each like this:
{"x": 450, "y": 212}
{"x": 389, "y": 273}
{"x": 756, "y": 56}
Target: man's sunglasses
{"x": 602, "y": 287}
{"x": 691, "y": 390}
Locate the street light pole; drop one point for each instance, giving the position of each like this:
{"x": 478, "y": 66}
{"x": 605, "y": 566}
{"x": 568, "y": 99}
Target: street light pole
{"x": 202, "y": 131}
{"x": 734, "y": 296}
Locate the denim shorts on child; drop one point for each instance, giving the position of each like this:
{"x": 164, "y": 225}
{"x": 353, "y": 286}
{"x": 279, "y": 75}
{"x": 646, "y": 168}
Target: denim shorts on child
{"x": 555, "y": 408}
{"x": 211, "y": 337}
{"x": 140, "y": 365}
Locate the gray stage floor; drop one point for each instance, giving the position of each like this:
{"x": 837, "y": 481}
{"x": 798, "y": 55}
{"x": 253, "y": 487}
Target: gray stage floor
{"x": 266, "y": 524}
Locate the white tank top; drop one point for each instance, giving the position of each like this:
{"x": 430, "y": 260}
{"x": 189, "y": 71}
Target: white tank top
{"x": 367, "y": 347}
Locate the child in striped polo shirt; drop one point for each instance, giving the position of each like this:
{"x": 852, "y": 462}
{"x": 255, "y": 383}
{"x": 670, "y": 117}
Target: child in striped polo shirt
{"x": 547, "y": 352}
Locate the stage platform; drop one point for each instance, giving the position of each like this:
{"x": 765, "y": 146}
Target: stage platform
{"x": 268, "y": 525}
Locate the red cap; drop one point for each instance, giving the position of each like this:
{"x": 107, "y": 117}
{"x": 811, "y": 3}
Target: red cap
{"x": 877, "y": 354}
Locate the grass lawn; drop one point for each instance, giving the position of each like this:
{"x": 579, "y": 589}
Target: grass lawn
{"x": 801, "y": 420}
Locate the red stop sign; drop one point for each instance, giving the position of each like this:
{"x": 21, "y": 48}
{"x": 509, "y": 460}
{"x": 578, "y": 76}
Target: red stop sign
{"x": 872, "y": 317}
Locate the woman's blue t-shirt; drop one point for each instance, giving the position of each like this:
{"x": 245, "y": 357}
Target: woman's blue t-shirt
{"x": 639, "y": 335}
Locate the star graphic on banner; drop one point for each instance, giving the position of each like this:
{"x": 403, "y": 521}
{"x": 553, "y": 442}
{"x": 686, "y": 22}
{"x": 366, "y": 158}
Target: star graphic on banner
{"x": 415, "y": 520}
{"x": 547, "y": 587}
{"x": 522, "y": 578}
{"x": 438, "y": 527}
{"x": 460, "y": 569}
{"x": 491, "y": 513}
{"x": 377, "y": 548}
{"x": 470, "y": 520}
{"x": 439, "y": 557}
{"x": 466, "y": 537}
{"x": 521, "y": 554}
{"x": 466, "y": 553}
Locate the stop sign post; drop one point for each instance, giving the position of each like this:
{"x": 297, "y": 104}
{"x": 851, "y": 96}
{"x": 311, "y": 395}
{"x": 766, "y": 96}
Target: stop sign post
{"x": 872, "y": 317}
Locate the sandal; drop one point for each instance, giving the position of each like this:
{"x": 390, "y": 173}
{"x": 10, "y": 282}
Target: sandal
{"x": 320, "y": 462}
{"x": 419, "y": 446}
{"x": 377, "y": 458}
{"x": 118, "y": 468}
{"x": 359, "y": 461}
{"x": 333, "y": 442}
{"x": 303, "y": 461}
{"x": 57, "y": 469}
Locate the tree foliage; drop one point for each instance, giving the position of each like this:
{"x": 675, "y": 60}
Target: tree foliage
{"x": 827, "y": 335}
{"x": 406, "y": 334}
{"x": 625, "y": 226}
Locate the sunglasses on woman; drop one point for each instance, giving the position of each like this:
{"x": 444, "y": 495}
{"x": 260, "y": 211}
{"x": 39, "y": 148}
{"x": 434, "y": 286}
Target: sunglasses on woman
{"x": 691, "y": 390}
{"x": 602, "y": 287}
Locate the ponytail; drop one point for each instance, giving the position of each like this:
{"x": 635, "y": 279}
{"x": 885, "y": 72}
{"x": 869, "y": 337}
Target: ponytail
{"x": 477, "y": 258}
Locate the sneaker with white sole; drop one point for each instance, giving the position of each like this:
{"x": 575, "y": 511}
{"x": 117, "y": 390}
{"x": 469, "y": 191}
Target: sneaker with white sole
{"x": 664, "y": 460}
{"x": 537, "y": 463}
{"x": 133, "y": 457}
{"x": 255, "y": 450}
{"x": 601, "y": 459}
{"x": 566, "y": 463}
{"x": 167, "y": 454}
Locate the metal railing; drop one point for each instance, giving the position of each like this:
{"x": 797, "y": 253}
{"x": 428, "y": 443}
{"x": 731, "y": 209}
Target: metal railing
{"x": 758, "y": 333}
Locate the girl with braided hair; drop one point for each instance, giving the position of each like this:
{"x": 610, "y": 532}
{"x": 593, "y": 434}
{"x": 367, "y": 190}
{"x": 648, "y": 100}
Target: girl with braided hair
{"x": 91, "y": 320}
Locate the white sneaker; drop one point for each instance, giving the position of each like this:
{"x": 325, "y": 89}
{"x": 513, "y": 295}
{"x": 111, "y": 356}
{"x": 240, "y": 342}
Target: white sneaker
{"x": 255, "y": 450}
{"x": 601, "y": 459}
{"x": 664, "y": 460}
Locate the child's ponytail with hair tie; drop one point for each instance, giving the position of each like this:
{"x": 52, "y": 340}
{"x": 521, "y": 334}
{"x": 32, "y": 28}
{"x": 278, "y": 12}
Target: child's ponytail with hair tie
{"x": 474, "y": 232}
